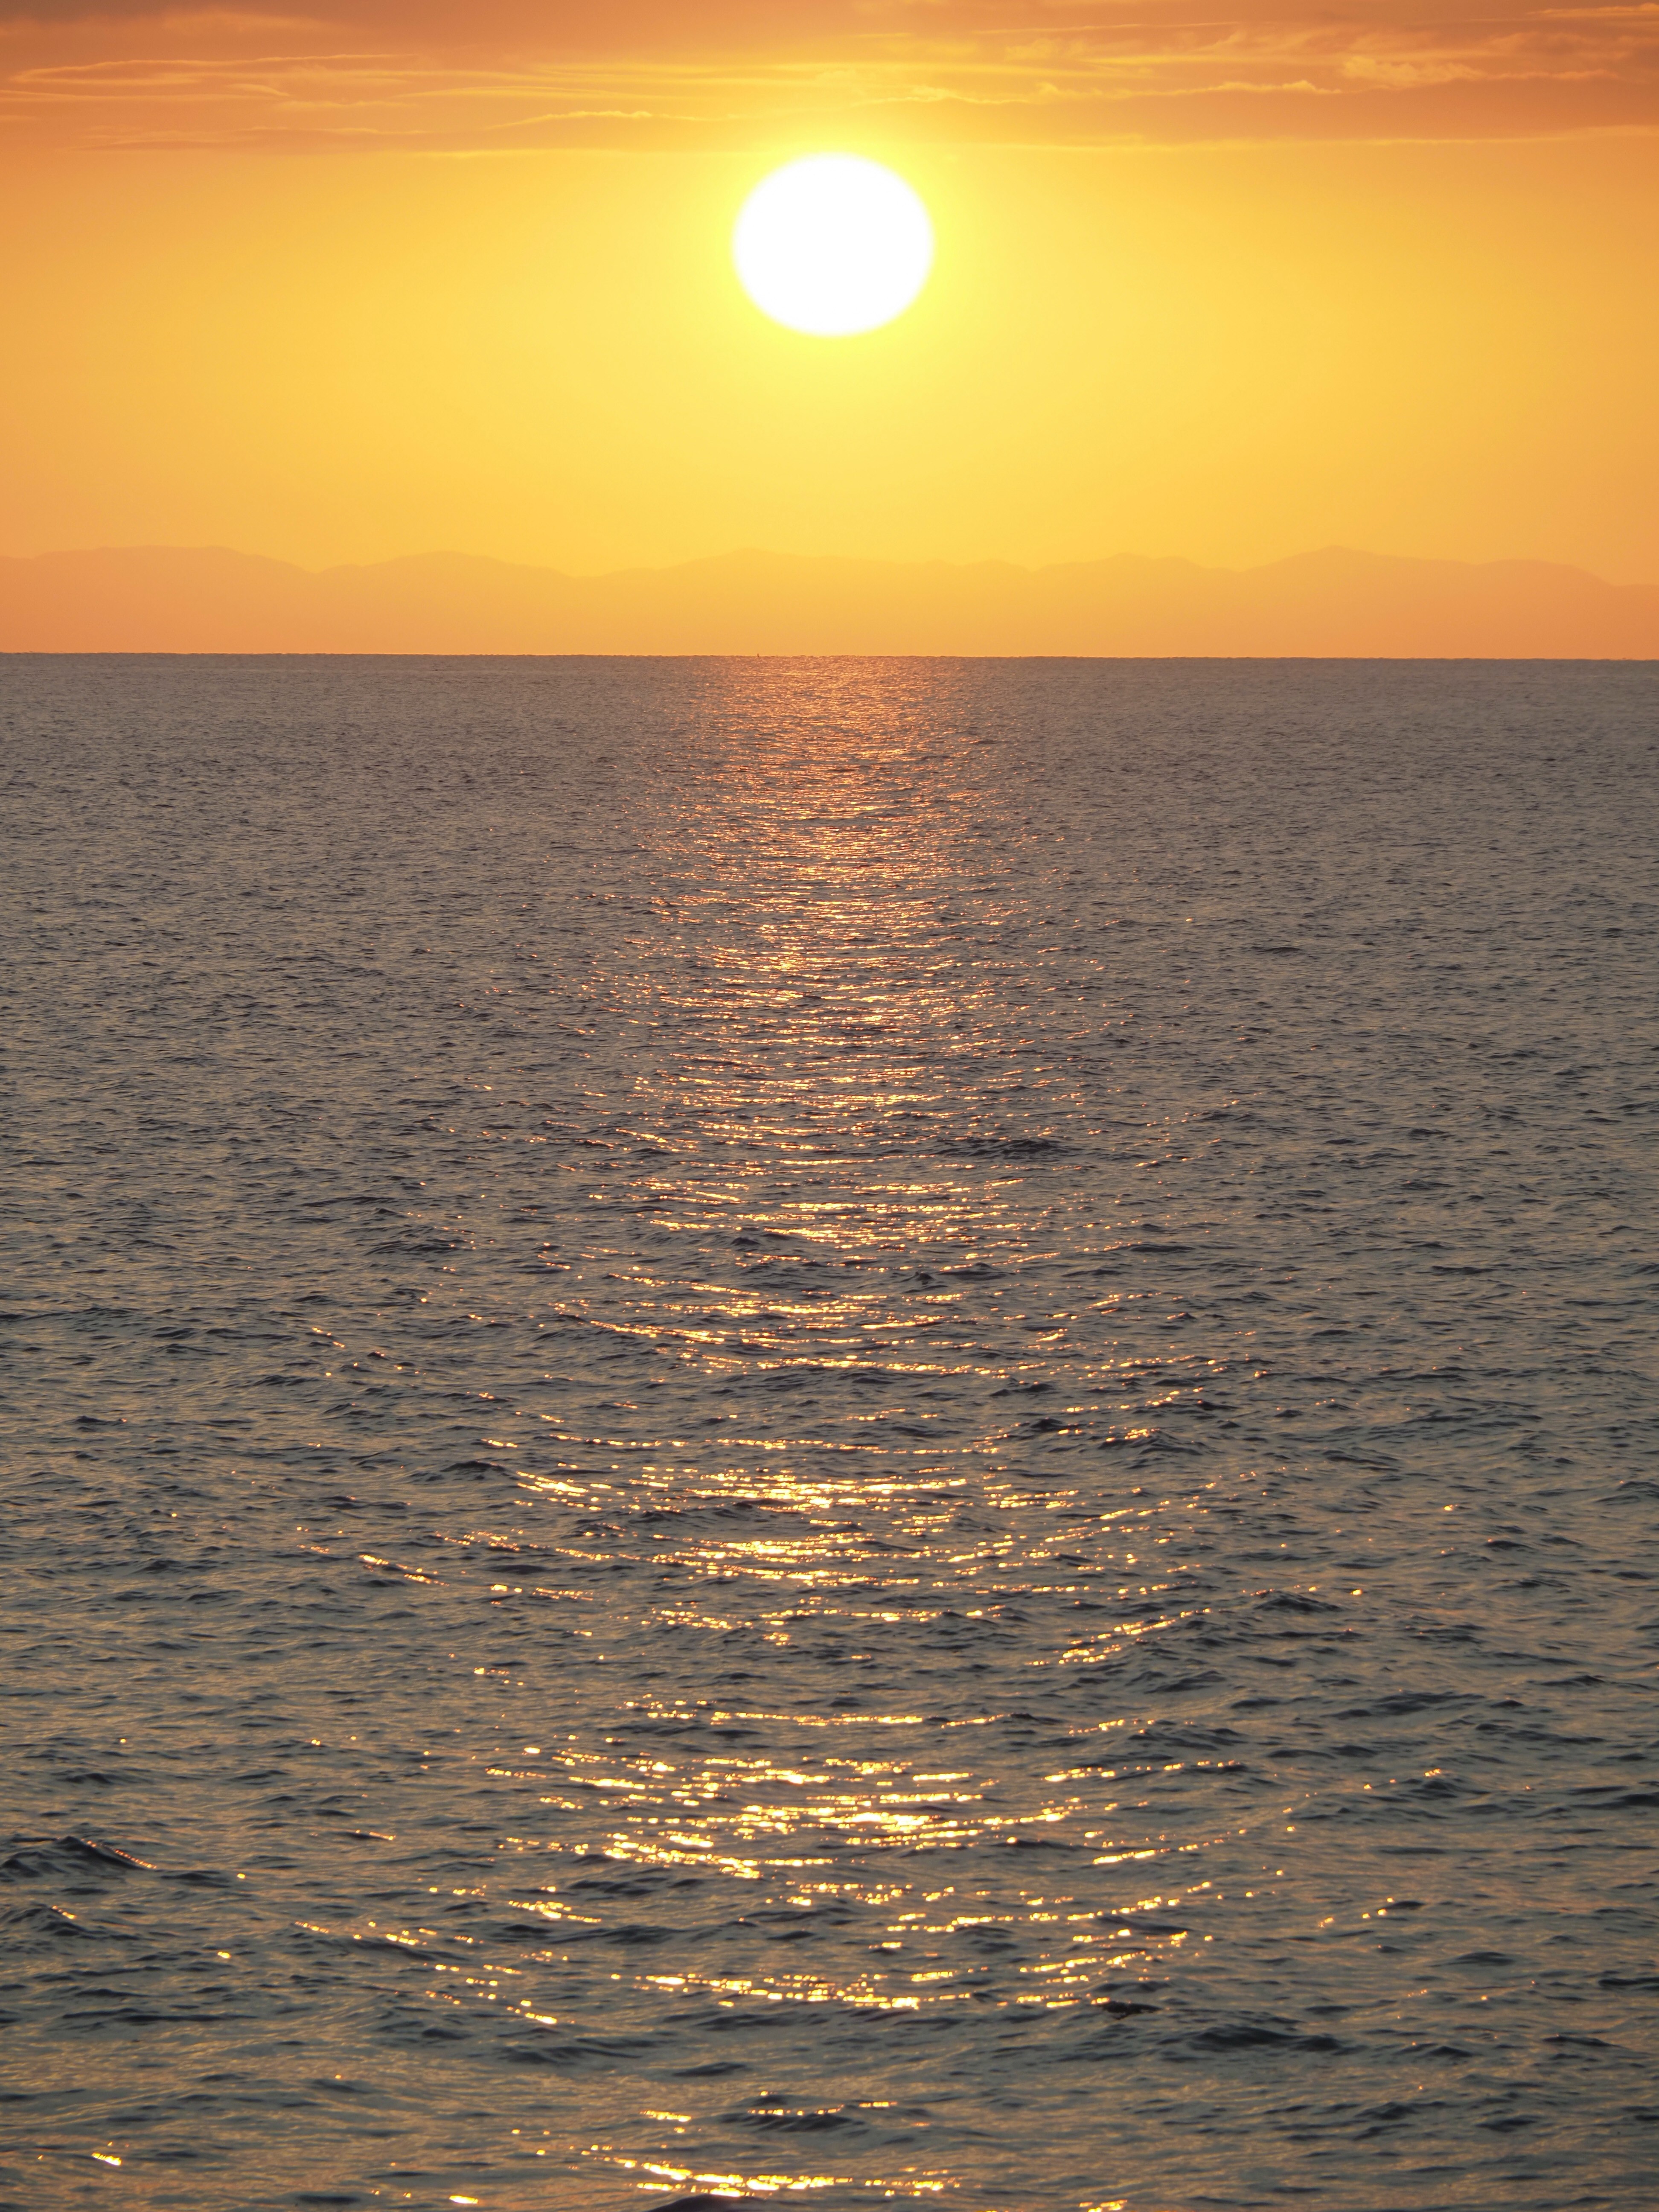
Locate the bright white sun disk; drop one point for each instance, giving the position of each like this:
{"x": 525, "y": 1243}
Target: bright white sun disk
{"x": 833, "y": 245}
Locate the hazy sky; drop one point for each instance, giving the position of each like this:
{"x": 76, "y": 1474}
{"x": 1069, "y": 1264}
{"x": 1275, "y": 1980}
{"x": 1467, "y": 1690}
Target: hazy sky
{"x": 367, "y": 278}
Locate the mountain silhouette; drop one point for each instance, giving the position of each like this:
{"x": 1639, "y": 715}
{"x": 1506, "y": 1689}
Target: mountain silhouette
{"x": 208, "y": 599}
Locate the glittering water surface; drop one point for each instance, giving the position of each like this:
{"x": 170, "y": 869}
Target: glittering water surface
{"x": 846, "y": 1431}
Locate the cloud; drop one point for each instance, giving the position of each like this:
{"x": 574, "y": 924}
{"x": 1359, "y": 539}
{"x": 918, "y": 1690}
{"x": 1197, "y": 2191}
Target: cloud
{"x": 762, "y": 73}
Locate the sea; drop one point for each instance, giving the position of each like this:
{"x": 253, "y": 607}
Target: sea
{"x": 836, "y": 1432}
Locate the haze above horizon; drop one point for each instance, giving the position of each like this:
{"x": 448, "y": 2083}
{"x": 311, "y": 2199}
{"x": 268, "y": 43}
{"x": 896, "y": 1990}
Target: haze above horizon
{"x": 1333, "y": 603}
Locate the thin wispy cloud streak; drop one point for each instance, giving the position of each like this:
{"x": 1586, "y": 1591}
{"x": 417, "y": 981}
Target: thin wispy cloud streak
{"x": 649, "y": 76}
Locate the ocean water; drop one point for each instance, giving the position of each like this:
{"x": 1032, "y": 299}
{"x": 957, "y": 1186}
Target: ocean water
{"x": 836, "y": 1432}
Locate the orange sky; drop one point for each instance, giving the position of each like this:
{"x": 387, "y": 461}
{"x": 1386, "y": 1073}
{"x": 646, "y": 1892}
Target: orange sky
{"x": 360, "y": 279}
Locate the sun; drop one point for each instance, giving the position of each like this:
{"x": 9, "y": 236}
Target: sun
{"x": 833, "y": 245}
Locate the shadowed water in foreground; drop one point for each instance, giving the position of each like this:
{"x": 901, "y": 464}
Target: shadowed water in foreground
{"x": 844, "y": 1430}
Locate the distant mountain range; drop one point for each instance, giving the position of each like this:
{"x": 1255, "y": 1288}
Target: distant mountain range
{"x": 205, "y": 599}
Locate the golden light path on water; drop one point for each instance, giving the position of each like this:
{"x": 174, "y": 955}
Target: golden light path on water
{"x": 824, "y": 1004}
{"x": 835, "y": 1511}
{"x": 826, "y": 1131}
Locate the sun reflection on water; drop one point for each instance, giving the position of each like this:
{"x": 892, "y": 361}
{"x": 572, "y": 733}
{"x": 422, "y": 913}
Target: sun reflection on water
{"x": 811, "y": 1384}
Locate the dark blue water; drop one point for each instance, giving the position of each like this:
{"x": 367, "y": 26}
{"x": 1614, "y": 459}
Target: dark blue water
{"x": 837, "y": 1431}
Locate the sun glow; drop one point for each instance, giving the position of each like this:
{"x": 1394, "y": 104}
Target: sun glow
{"x": 832, "y": 245}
